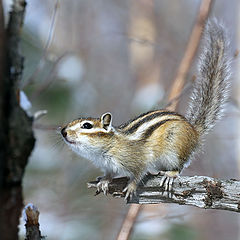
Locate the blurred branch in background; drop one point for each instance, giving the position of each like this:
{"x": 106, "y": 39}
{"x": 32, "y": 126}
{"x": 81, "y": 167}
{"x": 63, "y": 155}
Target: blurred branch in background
{"x": 129, "y": 221}
{"x": 187, "y": 86}
{"x": 199, "y": 191}
{"x": 190, "y": 51}
{"x": 46, "y": 47}
{"x": 49, "y": 79}
{"x": 45, "y": 127}
{"x": 175, "y": 94}
{"x": 16, "y": 138}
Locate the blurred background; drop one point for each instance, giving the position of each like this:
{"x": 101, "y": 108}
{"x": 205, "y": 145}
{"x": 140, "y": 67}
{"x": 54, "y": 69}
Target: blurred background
{"x": 84, "y": 58}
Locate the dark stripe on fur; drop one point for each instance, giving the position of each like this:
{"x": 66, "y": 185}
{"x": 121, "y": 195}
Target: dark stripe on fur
{"x": 122, "y": 126}
{"x": 146, "y": 119}
{"x": 151, "y": 129}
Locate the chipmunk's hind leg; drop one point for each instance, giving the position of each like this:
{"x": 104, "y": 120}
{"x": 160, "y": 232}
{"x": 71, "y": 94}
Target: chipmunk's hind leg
{"x": 167, "y": 180}
{"x": 130, "y": 190}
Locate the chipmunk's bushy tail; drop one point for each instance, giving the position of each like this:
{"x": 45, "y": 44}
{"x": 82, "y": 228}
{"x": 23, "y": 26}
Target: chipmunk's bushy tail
{"x": 210, "y": 91}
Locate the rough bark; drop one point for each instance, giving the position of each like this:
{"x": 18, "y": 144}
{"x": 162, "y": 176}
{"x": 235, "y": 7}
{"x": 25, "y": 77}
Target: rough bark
{"x": 200, "y": 191}
{"x": 16, "y": 135}
{"x": 2, "y": 96}
{"x": 11, "y": 204}
{"x": 20, "y": 139}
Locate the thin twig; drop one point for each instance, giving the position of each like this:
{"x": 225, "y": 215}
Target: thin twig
{"x": 128, "y": 222}
{"x": 39, "y": 126}
{"x": 48, "y": 80}
{"x": 190, "y": 51}
{"x": 185, "y": 89}
{"x": 52, "y": 27}
{"x": 46, "y": 47}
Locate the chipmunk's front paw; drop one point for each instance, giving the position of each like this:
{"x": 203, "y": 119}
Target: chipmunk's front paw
{"x": 103, "y": 185}
{"x": 130, "y": 190}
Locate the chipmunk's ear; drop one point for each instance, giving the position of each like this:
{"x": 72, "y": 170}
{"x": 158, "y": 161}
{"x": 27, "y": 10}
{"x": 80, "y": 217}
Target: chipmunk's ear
{"x": 106, "y": 121}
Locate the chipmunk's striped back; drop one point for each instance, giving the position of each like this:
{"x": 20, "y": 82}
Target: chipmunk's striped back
{"x": 167, "y": 137}
{"x": 145, "y": 124}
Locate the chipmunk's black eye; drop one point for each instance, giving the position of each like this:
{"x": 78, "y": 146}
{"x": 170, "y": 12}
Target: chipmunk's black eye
{"x": 87, "y": 125}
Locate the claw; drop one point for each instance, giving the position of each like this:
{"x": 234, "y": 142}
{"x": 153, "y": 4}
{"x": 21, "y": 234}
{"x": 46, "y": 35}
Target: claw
{"x": 130, "y": 190}
{"x": 163, "y": 180}
{"x": 103, "y": 186}
{"x": 167, "y": 181}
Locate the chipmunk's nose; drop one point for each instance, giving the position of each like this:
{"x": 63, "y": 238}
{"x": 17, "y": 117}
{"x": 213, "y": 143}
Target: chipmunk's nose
{"x": 64, "y": 132}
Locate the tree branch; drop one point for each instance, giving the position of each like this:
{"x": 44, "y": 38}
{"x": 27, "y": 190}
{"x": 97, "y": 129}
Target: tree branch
{"x": 199, "y": 191}
{"x": 31, "y": 215}
{"x": 190, "y": 52}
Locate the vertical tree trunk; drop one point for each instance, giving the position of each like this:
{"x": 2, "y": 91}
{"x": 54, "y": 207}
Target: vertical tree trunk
{"x": 2, "y": 96}
{"x": 16, "y": 135}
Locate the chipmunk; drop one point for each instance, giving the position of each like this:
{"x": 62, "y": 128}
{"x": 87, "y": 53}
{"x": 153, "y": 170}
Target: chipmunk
{"x": 160, "y": 139}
